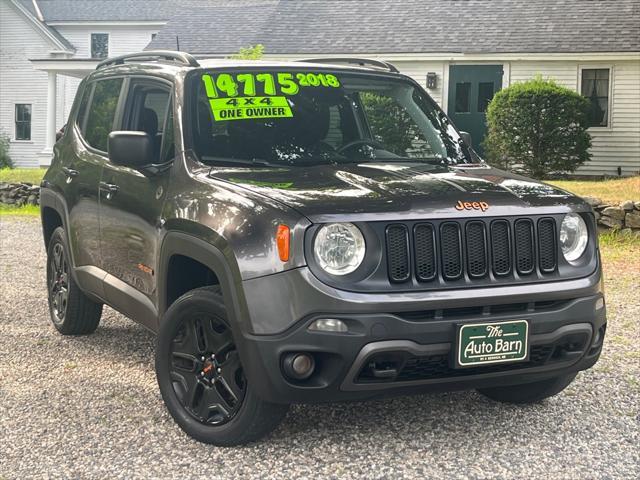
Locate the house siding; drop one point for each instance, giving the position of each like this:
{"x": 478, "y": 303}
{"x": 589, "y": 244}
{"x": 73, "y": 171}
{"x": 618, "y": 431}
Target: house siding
{"x": 612, "y": 147}
{"x": 122, "y": 39}
{"x": 619, "y": 144}
{"x": 419, "y": 70}
{"x": 21, "y": 83}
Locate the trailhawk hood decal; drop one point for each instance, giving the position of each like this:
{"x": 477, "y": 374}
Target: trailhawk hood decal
{"x": 378, "y": 191}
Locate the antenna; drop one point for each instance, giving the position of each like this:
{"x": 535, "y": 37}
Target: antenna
{"x": 177, "y": 43}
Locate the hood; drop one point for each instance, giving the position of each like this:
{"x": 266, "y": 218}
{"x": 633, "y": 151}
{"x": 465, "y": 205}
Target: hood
{"x": 383, "y": 191}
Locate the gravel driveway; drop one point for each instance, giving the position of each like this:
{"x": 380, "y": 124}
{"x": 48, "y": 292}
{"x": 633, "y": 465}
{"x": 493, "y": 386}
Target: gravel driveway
{"x": 89, "y": 407}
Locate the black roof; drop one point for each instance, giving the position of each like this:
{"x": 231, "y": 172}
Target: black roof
{"x": 403, "y": 26}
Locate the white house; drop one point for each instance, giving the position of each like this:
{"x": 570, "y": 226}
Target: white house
{"x": 462, "y": 51}
{"x": 46, "y": 47}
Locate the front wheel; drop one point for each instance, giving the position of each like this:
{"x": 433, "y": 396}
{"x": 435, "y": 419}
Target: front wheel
{"x": 529, "y": 392}
{"x": 72, "y": 312}
{"x": 201, "y": 377}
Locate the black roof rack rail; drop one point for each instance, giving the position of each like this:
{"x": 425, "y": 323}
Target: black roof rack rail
{"x": 178, "y": 57}
{"x": 363, "y": 62}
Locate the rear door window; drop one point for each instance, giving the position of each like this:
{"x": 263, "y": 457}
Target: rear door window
{"x": 102, "y": 112}
{"x": 82, "y": 109}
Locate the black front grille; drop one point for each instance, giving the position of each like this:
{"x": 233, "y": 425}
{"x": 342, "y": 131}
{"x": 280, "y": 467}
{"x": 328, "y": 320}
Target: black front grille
{"x": 398, "y": 253}
{"x": 547, "y": 249}
{"x": 501, "y": 247}
{"x": 450, "y": 243}
{"x": 437, "y": 366}
{"x": 425, "y": 252}
{"x": 404, "y": 366}
{"x": 525, "y": 253}
{"x": 471, "y": 251}
{"x": 476, "y": 249}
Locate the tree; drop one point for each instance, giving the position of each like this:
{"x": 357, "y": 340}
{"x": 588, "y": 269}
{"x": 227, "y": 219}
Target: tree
{"x": 252, "y": 52}
{"x": 538, "y": 126}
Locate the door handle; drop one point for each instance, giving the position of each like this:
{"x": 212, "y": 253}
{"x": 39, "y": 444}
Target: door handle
{"x": 70, "y": 173}
{"x": 109, "y": 188}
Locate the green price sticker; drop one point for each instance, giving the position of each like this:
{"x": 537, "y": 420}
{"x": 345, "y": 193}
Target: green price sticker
{"x": 245, "y": 108}
{"x": 242, "y": 96}
{"x": 250, "y": 84}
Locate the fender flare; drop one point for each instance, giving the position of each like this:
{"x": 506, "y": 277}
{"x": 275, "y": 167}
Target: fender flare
{"x": 177, "y": 243}
{"x": 49, "y": 198}
{"x": 54, "y": 201}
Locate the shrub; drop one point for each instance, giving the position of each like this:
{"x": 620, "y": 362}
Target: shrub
{"x": 5, "y": 159}
{"x": 538, "y": 126}
{"x": 252, "y": 52}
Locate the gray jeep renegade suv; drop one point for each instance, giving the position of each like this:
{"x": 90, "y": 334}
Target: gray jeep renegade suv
{"x": 310, "y": 232}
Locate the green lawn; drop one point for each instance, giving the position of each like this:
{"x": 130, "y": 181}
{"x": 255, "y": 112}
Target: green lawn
{"x": 27, "y": 210}
{"x": 609, "y": 191}
{"x": 17, "y": 175}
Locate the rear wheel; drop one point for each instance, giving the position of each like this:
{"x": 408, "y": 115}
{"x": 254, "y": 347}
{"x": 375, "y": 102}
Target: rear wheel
{"x": 201, "y": 377}
{"x": 72, "y": 312}
{"x": 529, "y": 392}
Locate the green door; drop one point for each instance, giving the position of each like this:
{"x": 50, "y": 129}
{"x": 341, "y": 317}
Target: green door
{"x": 471, "y": 88}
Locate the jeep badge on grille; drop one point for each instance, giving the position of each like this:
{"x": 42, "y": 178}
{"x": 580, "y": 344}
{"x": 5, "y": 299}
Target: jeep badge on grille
{"x": 484, "y": 206}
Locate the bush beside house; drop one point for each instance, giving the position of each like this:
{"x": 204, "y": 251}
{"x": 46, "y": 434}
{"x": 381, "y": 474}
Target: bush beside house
{"x": 5, "y": 158}
{"x": 538, "y": 127}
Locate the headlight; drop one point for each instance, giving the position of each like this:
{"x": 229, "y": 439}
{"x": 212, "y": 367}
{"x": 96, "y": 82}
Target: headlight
{"x": 339, "y": 248}
{"x": 573, "y": 236}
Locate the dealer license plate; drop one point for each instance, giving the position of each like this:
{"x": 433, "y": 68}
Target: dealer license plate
{"x": 487, "y": 343}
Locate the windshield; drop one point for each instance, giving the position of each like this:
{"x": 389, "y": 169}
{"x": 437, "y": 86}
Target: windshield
{"x": 300, "y": 118}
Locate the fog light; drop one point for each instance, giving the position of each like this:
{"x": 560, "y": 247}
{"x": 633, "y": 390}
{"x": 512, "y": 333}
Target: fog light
{"x": 600, "y": 303}
{"x": 329, "y": 325}
{"x": 299, "y": 366}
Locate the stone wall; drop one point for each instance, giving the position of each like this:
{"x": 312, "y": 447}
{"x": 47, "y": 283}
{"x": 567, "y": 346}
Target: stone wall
{"x": 623, "y": 216}
{"x": 19, "y": 194}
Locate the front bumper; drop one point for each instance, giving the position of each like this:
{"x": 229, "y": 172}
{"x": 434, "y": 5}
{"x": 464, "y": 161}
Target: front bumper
{"x": 413, "y": 336}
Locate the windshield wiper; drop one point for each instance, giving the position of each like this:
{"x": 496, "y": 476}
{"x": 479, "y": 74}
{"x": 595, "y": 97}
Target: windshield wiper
{"x": 256, "y": 162}
{"x": 427, "y": 160}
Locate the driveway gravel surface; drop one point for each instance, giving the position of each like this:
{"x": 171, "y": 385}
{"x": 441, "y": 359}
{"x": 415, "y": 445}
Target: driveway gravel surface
{"x": 89, "y": 407}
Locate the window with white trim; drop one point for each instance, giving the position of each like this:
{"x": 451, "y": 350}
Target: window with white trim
{"x": 595, "y": 87}
{"x": 23, "y": 121}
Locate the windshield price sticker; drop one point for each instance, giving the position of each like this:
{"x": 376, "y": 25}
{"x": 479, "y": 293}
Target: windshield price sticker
{"x": 246, "y": 84}
{"x": 244, "y": 108}
{"x": 235, "y": 96}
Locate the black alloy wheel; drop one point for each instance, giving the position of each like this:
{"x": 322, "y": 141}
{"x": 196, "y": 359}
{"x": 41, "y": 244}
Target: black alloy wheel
{"x": 201, "y": 377}
{"x": 58, "y": 283}
{"x": 205, "y": 370}
{"x": 72, "y": 312}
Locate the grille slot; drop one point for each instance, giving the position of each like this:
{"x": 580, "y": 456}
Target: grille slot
{"x": 500, "y": 248}
{"x": 547, "y": 250}
{"x": 424, "y": 237}
{"x": 476, "y": 249}
{"x": 525, "y": 252}
{"x": 451, "y": 249}
{"x": 398, "y": 253}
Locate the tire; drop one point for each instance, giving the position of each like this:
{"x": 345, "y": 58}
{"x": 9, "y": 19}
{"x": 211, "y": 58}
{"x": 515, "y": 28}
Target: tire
{"x": 72, "y": 312}
{"x": 209, "y": 399}
{"x": 529, "y": 392}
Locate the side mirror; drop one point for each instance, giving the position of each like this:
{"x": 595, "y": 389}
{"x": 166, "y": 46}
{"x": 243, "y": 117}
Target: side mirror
{"x": 130, "y": 149}
{"x": 466, "y": 138}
